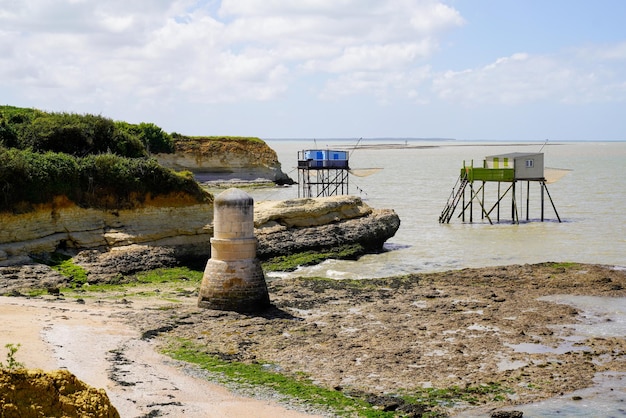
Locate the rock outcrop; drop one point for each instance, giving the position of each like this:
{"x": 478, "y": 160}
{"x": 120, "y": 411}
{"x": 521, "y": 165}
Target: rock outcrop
{"x": 35, "y": 393}
{"x": 110, "y": 244}
{"x": 297, "y": 225}
{"x": 61, "y": 225}
{"x": 226, "y": 159}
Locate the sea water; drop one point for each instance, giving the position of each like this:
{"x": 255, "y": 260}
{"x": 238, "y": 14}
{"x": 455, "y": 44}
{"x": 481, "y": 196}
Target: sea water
{"x": 416, "y": 180}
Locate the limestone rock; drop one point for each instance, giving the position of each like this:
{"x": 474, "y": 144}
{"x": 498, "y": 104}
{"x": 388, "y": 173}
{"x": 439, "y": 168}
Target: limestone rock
{"x": 307, "y": 212}
{"x": 242, "y": 159}
{"x": 15, "y": 279}
{"x": 187, "y": 228}
{"x": 313, "y": 224}
{"x": 35, "y": 393}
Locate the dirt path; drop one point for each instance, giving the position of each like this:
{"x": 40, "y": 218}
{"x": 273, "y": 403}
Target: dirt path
{"x": 96, "y": 343}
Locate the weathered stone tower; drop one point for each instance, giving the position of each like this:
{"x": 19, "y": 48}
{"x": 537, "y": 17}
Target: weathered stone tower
{"x": 233, "y": 278}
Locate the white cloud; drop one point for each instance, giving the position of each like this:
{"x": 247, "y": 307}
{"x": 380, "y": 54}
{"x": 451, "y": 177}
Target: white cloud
{"x": 120, "y": 54}
{"x": 89, "y": 51}
{"x": 572, "y": 77}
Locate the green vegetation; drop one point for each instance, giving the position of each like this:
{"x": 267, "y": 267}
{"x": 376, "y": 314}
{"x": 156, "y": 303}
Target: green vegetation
{"x": 103, "y": 181}
{"x": 308, "y": 258}
{"x": 11, "y": 362}
{"x": 76, "y": 274}
{"x": 563, "y": 265}
{"x": 79, "y": 135}
{"x": 297, "y": 386}
{"x": 473, "y": 395}
{"x": 173, "y": 276}
{"x": 92, "y": 160}
{"x": 183, "y": 138}
{"x": 340, "y": 402}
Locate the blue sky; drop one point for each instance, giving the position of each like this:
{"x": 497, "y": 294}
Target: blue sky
{"x": 464, "y": 69}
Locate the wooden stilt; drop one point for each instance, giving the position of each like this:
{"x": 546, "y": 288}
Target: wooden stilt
{"x": 471, "y": 202}
{"x": 527, "y": 198}
{"x": 482, "y": 202}
{"x": 553, "y": 207}
{"x": 513, "y": 209}
{"x": 498, "y": 202}
{"x": 543, "y": 185}
{"x": 463, "y": 205}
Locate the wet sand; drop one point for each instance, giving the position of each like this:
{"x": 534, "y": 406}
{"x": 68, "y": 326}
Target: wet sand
{"x": 96, "y": 343}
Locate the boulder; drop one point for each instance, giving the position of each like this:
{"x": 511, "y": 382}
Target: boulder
{"x": 297, "y": 225}
{"x": 35, "y": 393}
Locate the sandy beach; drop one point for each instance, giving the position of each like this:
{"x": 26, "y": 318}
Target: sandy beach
{"x": 96, "y": 342}
{"x": 467, "y": 328}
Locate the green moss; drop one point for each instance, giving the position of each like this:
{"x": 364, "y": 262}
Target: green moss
{"x": 76, "y": 274}
{"x": 132, "y": 286}
{"x": 297, "y": 386}
{"x": 447, "y": 397}
{"x": 168, "y": 275}
{"x": 65, "y": 265}
{"x": 564, "y": 265}
{"x": 308, "y": 258}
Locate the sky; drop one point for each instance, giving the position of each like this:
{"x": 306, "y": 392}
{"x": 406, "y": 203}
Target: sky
{"x": 506, "y": 70}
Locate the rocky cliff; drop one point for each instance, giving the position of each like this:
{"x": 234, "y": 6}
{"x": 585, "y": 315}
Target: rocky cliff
{"x": 108, "y": 244}
{"x": 172, "y": 221}
{"x": 221, "y": 159}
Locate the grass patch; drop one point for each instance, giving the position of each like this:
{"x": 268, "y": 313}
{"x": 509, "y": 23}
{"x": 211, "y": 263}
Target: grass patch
{"x": 309, "y": 258}
{"x": 447, "y": 397}
{"x": 174, "y": 275}
{"x": 251, "y": 375}
{"x": 424, "y": 402}
{"x": 564, "y": 265}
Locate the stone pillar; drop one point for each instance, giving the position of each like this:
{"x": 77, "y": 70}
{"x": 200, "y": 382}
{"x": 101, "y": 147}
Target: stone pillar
{"x": 233, "y": 279}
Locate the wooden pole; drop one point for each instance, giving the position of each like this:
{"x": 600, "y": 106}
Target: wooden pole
{"x": 471, "y": 203}
{"x": 527, "y": 198}
{"x": 553, "y": 207}
{"x": 482, "y": 202}
{"x": 498, "y": 202}
{"x": 513, "y": 203}
{"x": 463, "y": 207}
{"x": 543, "y": 185}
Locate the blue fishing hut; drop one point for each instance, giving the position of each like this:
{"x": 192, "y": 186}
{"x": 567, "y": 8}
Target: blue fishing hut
{"x": 322, "y": 172}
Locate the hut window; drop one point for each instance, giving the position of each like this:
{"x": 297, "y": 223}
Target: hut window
{"x": 529, "y": 163}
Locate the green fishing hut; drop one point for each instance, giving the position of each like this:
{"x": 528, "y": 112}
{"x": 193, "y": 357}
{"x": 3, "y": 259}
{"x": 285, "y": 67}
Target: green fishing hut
{"x": 502, "y": 169}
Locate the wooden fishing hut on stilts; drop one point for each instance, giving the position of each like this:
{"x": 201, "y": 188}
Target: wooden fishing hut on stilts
{"x": 510, "y": 169}
{"x": 322, "y": 173}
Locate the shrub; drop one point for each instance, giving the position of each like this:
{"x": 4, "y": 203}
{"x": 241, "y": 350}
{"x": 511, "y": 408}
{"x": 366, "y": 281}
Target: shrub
{"x": 79, "y": 135}
{"x": 104, "y": 180}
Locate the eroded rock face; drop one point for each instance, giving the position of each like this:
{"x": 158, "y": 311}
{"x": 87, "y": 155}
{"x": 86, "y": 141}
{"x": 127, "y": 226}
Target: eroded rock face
{"x": 297, "y": 225}
{"x": 227, "y": 159}
{"x": 186, "y": 228}
{"x": 35, "y": 393}
{"x": 113, "y": 244}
